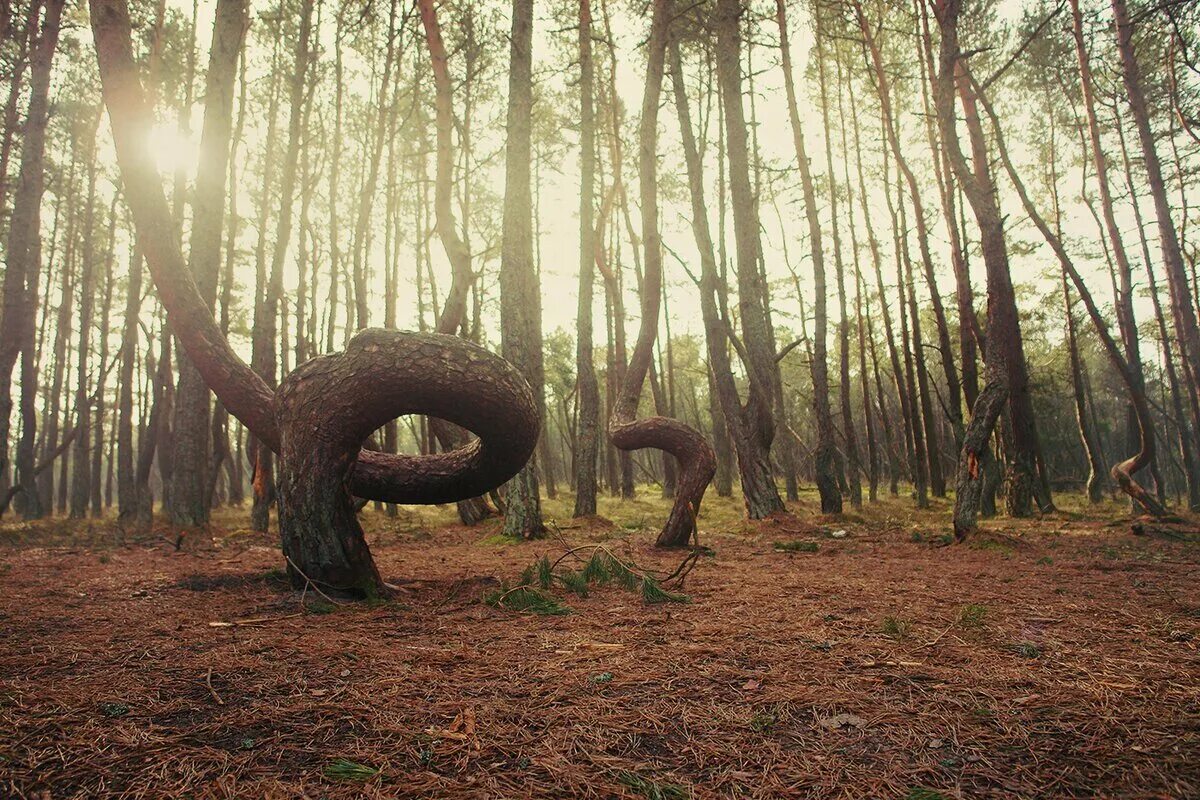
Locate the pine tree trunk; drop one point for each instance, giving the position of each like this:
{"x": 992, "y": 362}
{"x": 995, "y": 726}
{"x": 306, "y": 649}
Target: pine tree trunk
{"x": 23, "y": 249}
{"x": 190, "y": 501}
{"x": 588, "y": 426}
{"x": 520, "y": 298}
{"x": 753, "y": 470}
{"x": 825, "y": 457}
{"x": 1005, "y": 347}
{"x": 694, "y": 455}
{"x": 849, "y": 437}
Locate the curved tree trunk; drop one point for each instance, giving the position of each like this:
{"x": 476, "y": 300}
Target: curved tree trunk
{"x": 1087, "y": 435}
{"x": 324, "y": 410}
{"x": 471, "y": 510}
{"x": 1123, "y": 471}
{"x": 697, "y": 463}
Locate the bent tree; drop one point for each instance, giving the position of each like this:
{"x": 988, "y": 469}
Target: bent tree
{"x": 325, "y": 409}
{"x": 697, "y": 461}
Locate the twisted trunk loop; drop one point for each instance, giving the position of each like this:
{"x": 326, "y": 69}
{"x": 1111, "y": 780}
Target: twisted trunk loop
{"x": 324, "y": 410}
{"x": 697, "y": 461}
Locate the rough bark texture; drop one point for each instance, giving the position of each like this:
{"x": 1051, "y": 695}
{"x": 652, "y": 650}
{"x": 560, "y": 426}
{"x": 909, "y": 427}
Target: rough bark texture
{"x": 953, "y": 403}
{"x": 471, "y": 510}
{"x": 1183, "y": 311}
{"x": 752, "y": 470}
{"x": 1087, "y": 435}
{"x": 520, "y": 300}
{"x": 126, "y": 452}
{"x": 327, "y": 408}
{"x": 697, "y": 463}
{"x": 853, "y": 470}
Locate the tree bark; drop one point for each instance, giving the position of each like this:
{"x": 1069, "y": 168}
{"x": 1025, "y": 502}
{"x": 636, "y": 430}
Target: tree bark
{"x": 1123, "y": 471}
{"x": 587, "y": 431}
{"x": 1005, "y": 345}
{"x": 520, "y": 298}
{"x": 1183, "y": 311}
{"x": 753, "y": 471}
{"x": 849, "y": 437}
{"x": 454, "y": 310}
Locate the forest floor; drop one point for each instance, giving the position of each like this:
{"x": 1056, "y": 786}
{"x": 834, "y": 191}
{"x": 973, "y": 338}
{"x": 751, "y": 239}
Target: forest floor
{"x": 1054, "y": 657}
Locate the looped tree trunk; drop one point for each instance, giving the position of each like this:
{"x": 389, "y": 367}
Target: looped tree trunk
{"x": 328, "y": 406}
{"x": 325, "y": 409}
{"x": 697, "y": 461}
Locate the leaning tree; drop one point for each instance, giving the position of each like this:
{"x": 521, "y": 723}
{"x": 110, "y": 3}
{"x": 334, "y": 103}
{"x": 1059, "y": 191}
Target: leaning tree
{"x": 697, "y": 462}
{"x": 324, "y": 410}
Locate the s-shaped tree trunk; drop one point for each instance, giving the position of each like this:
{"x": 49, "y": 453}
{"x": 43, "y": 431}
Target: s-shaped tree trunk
{"x": 325, "y": 409}
{"x": 697, "y": 462}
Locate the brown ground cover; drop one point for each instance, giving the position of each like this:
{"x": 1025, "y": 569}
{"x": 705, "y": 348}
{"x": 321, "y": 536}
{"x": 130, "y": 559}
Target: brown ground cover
{"x": 1052, "y": 658}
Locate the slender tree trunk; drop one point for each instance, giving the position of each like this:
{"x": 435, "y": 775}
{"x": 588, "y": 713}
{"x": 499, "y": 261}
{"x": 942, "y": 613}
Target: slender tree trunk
{"x": 849, "y": 436}
{"x": 753, "y": 470}
{"x": 1126, "y": 322}
{"x": 953, "y": 402}
{"x": 190, "y": 501}
{"x": 97, "y": 444}
{"x": 454, "y": 309}
{"x": 1123, "y": 471}
{"x": 1091, "y": 449}
{"x": 826, "y": 451}
{"x": 696, "y": 460}
{"x": 520, "y": 299}
{"x": 586, "y": 438}
{"x": 1183, "y": 311}
{"x": 126, "y": 454}
{"x": 80, "y": 463}
{"x": 17, "y": 318}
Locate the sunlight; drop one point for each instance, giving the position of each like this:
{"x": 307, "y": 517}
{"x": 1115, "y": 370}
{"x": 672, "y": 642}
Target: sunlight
{"x": 172, "y": 149}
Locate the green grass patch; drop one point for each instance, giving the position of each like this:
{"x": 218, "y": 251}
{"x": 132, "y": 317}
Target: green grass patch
{"x": 972, "y": 615}
{"x": 1028, "y": 650}
{"x": 921, "y": 793}
{"x": 341, "y": 769}
{"x": 527, "y": 598}
{"x": 763, "y": 721}
{"x": 651, "y": 789}
{"x": 797, "y": 547}
{"x": 895, "y": 627}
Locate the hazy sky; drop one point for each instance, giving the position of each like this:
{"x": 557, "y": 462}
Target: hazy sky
{"x": 782, "y": 230}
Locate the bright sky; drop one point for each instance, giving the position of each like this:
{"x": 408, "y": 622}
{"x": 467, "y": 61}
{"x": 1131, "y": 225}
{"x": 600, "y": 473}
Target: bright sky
{"x": 559, "y": 187}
